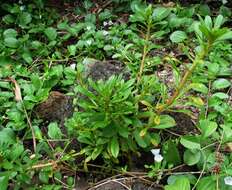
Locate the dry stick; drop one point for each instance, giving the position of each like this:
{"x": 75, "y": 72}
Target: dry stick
{"x": 31, "y": 127}
{"x": 170, "y": 101}
{"x": 145, "y": 47}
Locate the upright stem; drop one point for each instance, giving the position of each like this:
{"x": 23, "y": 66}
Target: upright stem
{"x": 188, "y": 73}
{"x": 145, "y": 51}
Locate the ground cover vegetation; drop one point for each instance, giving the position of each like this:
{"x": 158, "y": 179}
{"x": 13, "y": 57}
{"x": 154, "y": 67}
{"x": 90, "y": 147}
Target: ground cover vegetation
{"x": 116, "y": 95}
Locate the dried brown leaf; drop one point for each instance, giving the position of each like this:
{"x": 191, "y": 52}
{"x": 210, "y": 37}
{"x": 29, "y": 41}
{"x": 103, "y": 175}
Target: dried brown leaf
{"x": 17, "y": 90}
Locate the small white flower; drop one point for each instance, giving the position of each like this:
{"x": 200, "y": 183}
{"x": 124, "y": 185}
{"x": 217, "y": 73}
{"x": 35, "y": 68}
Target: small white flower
{"x": 157, "y": 156}
{"x": 228, "y": 180}
{"x": 105, "y": 32}
{"x": 110, "y": 23}
{"x": 73, "y": 66}
{"x": 155, "y": 151}
{"x": 89, "y": 42}
{"x": 224, "y": 2}
{"x": 105, "y": 23}
{"x": 88, "y": 27}
{"x": 22, "y": 8}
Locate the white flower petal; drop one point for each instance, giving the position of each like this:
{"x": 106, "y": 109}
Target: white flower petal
{"x": 88, "y": 28}
{"x": 73, "y": 66}
{"x": 158, "y": 158}
{"x": 228, "y": 180}
{"x": 155, "y": 151}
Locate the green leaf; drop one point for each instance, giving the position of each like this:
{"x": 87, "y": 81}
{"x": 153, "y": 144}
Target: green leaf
{"x": 207, "y": 127}
{"x": 199, "y": 87}
{"x": 114, "y": 147}
{"x": 140, "y": 140}
{"x": 27, "y": 57}
{"x": 17, "y": 151}
{"x": 204, "y": 10}
{"x": 24, "y": 19}
{"x": 181, "y": 183}
{"x": 11, "y": 42}
{"x": 221, "y": 83}
{"x": 10, "y": 33}
{"x": 208, "y": 183}
{"x": 218, "y": 21}
{"x": 166, "y": 121}
{"x": 172, "y": 155}
{"x": 221, "y": 95}
{"x": 54, "y": 131}
{"x": 4, "y": 182}
{"x": 178, "y": 36}
{"x": 190, "y": 142}
{"x": 50, "y": 33}
{"x": 208, "y": 22}
{"x": 8, "y": 19}
{"x": 44, "y": 176}
{"x": 72, "y": 50}
{"x": 96, "y": 152}
{"x": 7, "y": 136}
{"x": 192, "y": 157}
{"x": 160, "y": 13}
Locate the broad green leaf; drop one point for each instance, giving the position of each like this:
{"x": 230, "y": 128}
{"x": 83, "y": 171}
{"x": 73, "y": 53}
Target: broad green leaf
{"x": 221, "y": 83}
{"x": 190, "y": 142}
{"x": 140, "y": 140}
{"x": 27, "y": 57}
{"x": 72, "y": 50}
{"x": 178, "y": 36}
{"x": 114, "y": 147}
{"x": 208, "y": 183}
{"x": 192, "y": 157}
{"x": 24, "y": 19}
{"x": 4, "y": 182}
{"x": 96, "y": 152}
{"x": 17, "y": 151}
{"x": 54, "y": 131}
{"x": 208, "y": 22}
{"x": 8, "y": 19}
{"x": 192, "y": 178}
{"x": 160, "y": 13}
{"x": 207, "y": 127}
{"x": 11, "y": 42}
{"x": 10, "y": 33}
{"x": 218, "y": 21}
{"x": 204, "y": 10}
{"x": 50, "y": 33}
{"x": 181, "y": 183}
{"x": 166, "y": 121}
{"x": 199, "y": 87}
{"x": 44, "y": 176}
{"x": 172, "y": 155}
{"x": 7, "y": 136}
{"x": 221, "y": 95}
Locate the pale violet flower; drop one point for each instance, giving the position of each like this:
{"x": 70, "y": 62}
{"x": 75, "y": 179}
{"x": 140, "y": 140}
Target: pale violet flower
{"x": 157, "y": 156}
{"x": 73, "y": 66}
{"x": 228, "y": 180}
{"x": 105, "y": 23}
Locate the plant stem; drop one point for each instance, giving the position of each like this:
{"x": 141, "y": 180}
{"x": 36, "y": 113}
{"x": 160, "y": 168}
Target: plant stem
{"x": 198, "y": 59}
{"x": 145, "y": 51}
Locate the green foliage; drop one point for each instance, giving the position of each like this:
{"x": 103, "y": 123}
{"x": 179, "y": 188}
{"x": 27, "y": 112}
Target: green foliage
{"x": 178, "y": 59}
